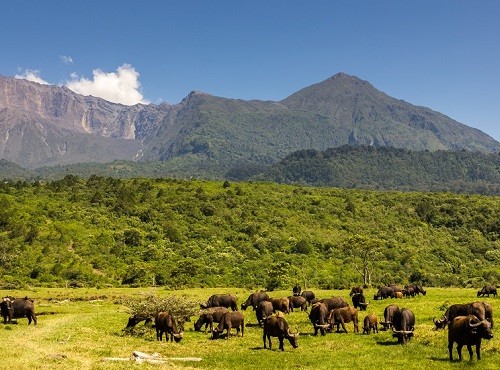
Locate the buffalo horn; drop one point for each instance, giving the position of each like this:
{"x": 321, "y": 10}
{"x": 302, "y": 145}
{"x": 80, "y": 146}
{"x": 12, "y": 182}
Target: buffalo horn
{"x": 434, "y": 320}
{"x": 474, "y": 325}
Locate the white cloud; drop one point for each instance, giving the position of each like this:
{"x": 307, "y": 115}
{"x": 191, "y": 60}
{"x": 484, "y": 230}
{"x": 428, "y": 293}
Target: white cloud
{"x": 33, "y": 76}
{"x": 121, "y": 86}
{"x": 66, "y": 59}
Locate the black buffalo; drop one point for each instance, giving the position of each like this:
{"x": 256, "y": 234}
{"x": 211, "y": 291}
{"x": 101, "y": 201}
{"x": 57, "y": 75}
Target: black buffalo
{"x": 264, "y": 310}
{"x": 208, "y": 317}
{"x": 334, "y": 302}
{"x": 297, "y": 302}
{"x": 411, "y": 290}
{"x": 388, "y": 316}
{"x": 403, "y": 325}
{"x": 296, "y": 290}
{"x": 468, "y": 330}
{"x": 254, "y": 299}
{"x": 483, "y": 311}
{"x": 384, "y": 292}
{"x": 487, "y": 290}
{"x": 276, "y": 326}
{"x": 319, "y": 318}
{"x": 230, "y": 320}
{"x": 16, "y": 308}
{"x": 165, "y": 323}
{"x": 356, "y": 290}
{"x": 136, "y": 319}
{"x": 308, "y": 295}
{"x": 359, "y": 301}
{"x": 221, "y": 300}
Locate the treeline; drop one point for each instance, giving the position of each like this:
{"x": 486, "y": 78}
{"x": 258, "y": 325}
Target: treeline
{"x": 350, "y": 167}
{"x": 177, "y": 233}
{"x": 368, "y": 167}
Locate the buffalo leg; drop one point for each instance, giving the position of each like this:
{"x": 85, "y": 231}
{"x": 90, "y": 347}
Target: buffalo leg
{"x": 450, "y": 350}
{"x": 469, "y": 349}
{"x": 459, "y": 350}
{"x": 281, "y": 338}
{"x": 478, "y": 351}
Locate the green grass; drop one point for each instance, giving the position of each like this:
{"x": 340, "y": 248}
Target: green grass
{"x": 77, "y": 328}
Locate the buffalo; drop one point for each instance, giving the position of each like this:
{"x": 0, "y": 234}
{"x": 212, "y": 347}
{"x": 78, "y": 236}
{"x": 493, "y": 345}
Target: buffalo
{"x": 403, "y": 325}
{"x": 281, "y": 304}
{"x": 319, "y": 318}
{"x": 136, "y": 319}
{"x": 487, "y": 290}
{"x": 165, "y": 323}
{"x": 483, "y": 311}
{"x": 254, "y": 299}
{"x": 221, "y": 300}
{"x": 468, "y": 330}
{"x": 356, "y": 290}
{"x": 276, "y": 326}
{"x": 16, "y": 308}
{"x": 208, "y": 317}
{"x": 370, "y": 323}
{"x": 398, "y": 294}
{"x": 359, "y": 301}
{"x": 297, "y": 302}
{"x": 341, "y": 316}
{"x": 416, "y": 289}
{"x": 296, "y": 290}
{"x": 264, "y": 310}
{"x": 384, "y": 292}
{"x": 230, "y": 320}
{"x": 388, "y": 316}
{"x": 334, "y": 302}
{"x": 308, "y": 295}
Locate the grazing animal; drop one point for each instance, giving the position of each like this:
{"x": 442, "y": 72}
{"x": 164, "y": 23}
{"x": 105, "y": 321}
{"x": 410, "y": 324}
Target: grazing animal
{"x": 356, "y": 290}
{"x": 398, "y": 294}
{"x": 416, "y": 289}
{"x": 264, "y": 309}
{"x": 297, "y": 302}
{"x": 281, "y": 304}
{"x": 482, "y": 310}
{"x": 370, "y": 323}
{"x": 276, "y": 326}
{"x": 487, "y": 290}
{"x": 221, "y": 300}
{"x": 165, "y": 323}
{"x": 468, "y": 330}
{"x": 254, "y": 299}
{"x": 16, "y": 308}
{"x": 341, "y": 316}
{"x": 403, "y": 325}
{"x": 359, "y": 301}
{"x": 208, "y": 317}
{"x": 388, "y": 315}
{"x": 334, "y": 302}
{"x": 308, "y": 295}
{"x": 136, "y": 319}
{"x": 230, "y": 320}
{"x": 319, "y": 318}
{"x": 296, "y": 290}
{"x": 384, "y": 292}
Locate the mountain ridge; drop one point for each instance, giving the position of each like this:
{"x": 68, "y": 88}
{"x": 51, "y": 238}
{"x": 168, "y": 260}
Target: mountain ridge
{"x": 49, "y": 125}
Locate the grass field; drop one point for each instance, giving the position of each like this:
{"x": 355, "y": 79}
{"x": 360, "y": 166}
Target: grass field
{"x": 77, "y": 328}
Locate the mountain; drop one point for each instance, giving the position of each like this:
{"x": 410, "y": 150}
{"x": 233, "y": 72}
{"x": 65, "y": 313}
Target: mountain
{"x": 208, "y": 136}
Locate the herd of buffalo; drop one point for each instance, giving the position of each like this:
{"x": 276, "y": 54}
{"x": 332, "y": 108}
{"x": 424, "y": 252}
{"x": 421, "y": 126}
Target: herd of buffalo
{"x": 467, "y": 323}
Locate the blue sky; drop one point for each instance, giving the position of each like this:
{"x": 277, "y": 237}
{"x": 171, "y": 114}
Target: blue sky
{"x": 443, "y": 54}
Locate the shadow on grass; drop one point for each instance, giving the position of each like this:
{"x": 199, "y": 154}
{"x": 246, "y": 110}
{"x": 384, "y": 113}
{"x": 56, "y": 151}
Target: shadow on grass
{"x": 395, "y": 343}
{"x": 441, "y": 359}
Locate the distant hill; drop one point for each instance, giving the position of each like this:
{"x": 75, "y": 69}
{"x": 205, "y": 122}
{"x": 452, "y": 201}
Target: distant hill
{"x": 208, "y": 136}
{"x": 386, "y": 168}
{"x": 12, "y": 171}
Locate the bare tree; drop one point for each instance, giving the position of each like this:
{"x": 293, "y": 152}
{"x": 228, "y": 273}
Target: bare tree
{"x": 363, "y": 253}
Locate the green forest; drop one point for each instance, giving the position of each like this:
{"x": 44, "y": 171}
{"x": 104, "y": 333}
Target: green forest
{"x": 104, "y": 231}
